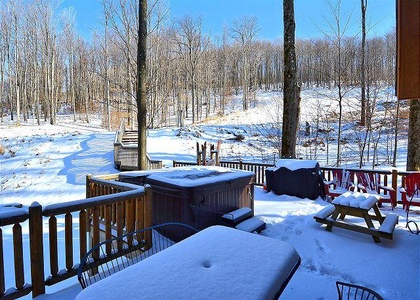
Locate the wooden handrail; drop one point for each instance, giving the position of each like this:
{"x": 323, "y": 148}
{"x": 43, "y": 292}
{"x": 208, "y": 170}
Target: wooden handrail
{"x": 78, "y": 205}
{"x": 14, "y": 218}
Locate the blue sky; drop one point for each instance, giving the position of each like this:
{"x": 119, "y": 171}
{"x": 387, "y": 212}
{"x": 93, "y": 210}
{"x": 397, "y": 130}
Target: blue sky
{"x": 219, "y": 13}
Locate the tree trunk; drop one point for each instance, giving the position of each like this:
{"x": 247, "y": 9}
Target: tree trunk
{"x": 107, "y": 81}
{"x": 17, "y": 87}
{"x": 2, "y": 95}
{"x": 394, "y": 157}
{"x": 362, "y": 65}
{"x": 413, "y": 151}
{"x": 53, "y": 100}
{"x": 141, "y": 85}
{"x": 291, "y": 91}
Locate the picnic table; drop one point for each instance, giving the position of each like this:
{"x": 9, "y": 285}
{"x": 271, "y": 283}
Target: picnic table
{"x": 361, "y": 205}
{"x": 216, "y": 263}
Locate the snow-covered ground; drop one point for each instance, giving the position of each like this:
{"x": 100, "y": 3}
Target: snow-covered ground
{"x": 48, "y": 164}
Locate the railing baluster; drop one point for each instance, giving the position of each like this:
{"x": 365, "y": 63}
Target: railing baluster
{"x": 123, "y": 217}
{"x": 114, "y": 214}
{"x": 83, "y": 222}
{"x": 139, "y": 213}
{"x": 385, "y": 183}
{"x": 95, "y": 226}
{"x": 2, "y": 275}
{"x": 53, "y": 245}
{"x": 147, "y": 198}
{"x": 108, "y": 234}
{"x": 69, "y": 240}
{"x": 130, "y": 219}
{"x": 120, "y": 211}
{"x": 101, "y": 213}
{"x": 18, "y": 253}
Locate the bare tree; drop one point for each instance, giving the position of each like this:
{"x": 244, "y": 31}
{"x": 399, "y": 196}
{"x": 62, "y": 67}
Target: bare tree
{"x": 363, "y": 4}
{"x": 69, "y": 36}
{"x": 141, "y": 86}
{"x": 106, "y": 65}
{"x": 413, "y": 151}
{"x": 340, "y": 64}
{"x": 244, "y": 32}
{"x": 290, "y": 86}
{"x": 191, "y": 46}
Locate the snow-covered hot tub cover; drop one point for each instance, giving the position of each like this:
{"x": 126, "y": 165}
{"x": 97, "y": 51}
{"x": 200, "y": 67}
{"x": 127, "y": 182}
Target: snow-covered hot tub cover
{"x": 189, "y": 176}
{"x": 295, "y": 164}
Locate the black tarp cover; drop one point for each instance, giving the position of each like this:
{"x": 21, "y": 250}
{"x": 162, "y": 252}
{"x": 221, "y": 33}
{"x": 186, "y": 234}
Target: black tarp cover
{"x": 293, "y": 177}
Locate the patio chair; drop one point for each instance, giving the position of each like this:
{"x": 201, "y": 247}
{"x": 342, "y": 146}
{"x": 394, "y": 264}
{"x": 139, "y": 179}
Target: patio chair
{"x": 410, "y": 193}
{"x": 356, "y": 292}
{"x": 340, "y": 183}
{"x": 113, "y": 255}
{"x": 370, "y": 183}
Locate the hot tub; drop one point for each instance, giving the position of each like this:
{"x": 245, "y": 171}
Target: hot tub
{"x": 177, "y": 190}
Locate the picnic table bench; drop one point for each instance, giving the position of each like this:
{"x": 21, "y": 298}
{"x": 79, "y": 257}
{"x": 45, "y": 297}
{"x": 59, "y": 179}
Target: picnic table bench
{"x": 358, "y": 205}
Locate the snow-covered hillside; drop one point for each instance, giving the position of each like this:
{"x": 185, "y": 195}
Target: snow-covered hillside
{"x": 32, "y": 153}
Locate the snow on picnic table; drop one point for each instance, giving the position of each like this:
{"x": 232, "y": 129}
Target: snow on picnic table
{"x": 50, "y": 167}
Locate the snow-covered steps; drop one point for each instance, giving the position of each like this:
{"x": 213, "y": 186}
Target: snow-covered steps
{"x": 253, "y": 224}
{"x": 237, "y": 216}
{"x": 243, "y": 219}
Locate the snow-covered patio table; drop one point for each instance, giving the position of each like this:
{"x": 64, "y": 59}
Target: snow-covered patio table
{"x": 358, "y": 205}
{"x": 216, "y": 263}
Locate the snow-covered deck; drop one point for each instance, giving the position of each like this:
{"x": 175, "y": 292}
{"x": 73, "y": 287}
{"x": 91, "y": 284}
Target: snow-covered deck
{"x": 326, "y": 257}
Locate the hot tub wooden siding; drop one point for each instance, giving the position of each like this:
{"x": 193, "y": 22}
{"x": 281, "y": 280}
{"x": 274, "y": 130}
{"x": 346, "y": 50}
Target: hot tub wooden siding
{"x": 171, "y": 203}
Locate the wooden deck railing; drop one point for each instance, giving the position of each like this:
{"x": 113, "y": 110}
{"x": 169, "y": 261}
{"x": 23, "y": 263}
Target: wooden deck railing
{"x": 110, "y": 209}
{"x": 392, "y": 178}
{"x": 257, "y": 168}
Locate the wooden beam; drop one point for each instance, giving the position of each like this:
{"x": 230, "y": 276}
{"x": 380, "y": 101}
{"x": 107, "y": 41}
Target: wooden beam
{"x": 408, "y": 49}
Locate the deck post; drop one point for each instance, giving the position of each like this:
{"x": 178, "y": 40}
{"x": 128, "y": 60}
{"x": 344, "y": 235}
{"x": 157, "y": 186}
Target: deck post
{"x": 394, "y": 178}
{"x": 148, "y": 219}
{"x": 147, "y": 214}
{"x": 88, "y": 178}
{"x": 36, "y": 249}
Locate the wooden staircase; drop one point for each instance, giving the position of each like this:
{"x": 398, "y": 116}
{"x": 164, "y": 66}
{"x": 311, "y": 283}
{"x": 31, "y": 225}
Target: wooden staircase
{"x": 125, "y": 151}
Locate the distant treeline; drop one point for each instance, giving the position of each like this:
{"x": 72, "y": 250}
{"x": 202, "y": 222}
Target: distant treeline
{"x": 45, "y": 64}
